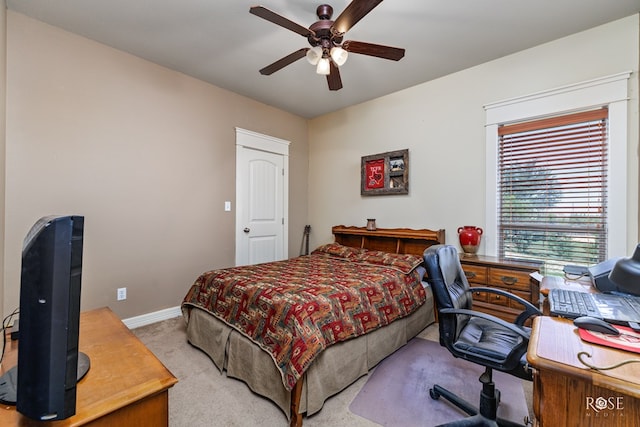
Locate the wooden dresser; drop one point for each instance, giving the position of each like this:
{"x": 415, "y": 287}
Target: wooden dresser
{"x": 125, "y": 386}
{"x": 511, "y": 276}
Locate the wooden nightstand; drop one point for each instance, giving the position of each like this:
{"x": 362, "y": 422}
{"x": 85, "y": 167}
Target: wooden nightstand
{"x": 511, "y": 276}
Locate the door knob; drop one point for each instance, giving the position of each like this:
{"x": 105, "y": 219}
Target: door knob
{"x": 246, "y": 229}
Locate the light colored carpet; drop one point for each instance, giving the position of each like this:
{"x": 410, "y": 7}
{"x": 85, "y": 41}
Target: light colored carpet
{"x": 205, "y": 397}
{"x": 397, "y": 392}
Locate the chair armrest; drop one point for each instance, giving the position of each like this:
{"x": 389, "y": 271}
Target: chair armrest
{"x": 529, "y": 309}
{"x": 511, "y": 326}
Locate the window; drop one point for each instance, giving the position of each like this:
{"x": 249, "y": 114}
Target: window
{"x": 608, "y": 94}
{"x": 552, "y": 190}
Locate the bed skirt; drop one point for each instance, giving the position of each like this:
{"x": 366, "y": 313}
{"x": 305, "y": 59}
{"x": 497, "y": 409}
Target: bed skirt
{"x": 332, "y": 371}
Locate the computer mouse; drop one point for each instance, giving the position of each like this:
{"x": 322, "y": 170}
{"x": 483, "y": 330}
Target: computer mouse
{"x": 594, "y": 324}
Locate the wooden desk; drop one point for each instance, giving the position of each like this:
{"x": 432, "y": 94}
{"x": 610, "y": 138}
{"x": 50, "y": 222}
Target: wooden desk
{"x": 567, "y": 393}
{"x": 550, "y": 282}
{"x": 126, "y": 385}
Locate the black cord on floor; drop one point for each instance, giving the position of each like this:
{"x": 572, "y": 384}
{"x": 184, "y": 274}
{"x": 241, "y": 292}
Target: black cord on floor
{"x": 5, "y": 324}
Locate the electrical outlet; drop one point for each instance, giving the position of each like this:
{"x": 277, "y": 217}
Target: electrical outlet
{"x": 122, "y": 294}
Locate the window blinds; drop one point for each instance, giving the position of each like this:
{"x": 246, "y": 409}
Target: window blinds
{"x": 552, "y": 179}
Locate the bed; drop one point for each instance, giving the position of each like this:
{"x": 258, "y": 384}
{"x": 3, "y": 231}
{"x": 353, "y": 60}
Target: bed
{"x": 301, "y": 330}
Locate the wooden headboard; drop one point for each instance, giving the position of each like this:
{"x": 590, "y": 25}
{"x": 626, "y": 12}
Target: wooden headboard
{"x": 394, "y": 240}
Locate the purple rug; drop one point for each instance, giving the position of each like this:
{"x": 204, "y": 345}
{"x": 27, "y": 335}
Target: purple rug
{"x": 397, "y": 392}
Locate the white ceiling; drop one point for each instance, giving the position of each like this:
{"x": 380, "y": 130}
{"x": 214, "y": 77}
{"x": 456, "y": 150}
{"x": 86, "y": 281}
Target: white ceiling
{"x": 218, "y": 41}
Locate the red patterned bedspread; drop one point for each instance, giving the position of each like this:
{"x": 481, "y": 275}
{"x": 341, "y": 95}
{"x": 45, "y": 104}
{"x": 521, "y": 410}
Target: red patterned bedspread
{"x": 295, "y": 308}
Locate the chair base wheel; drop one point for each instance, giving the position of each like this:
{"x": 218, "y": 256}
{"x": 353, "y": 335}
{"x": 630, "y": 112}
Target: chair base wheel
{"x": 484, "y": 417}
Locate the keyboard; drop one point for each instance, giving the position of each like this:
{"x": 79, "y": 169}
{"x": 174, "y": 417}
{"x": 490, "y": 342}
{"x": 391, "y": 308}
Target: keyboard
{"x": 635, "y": 303}
{"x": 571, "y": 304}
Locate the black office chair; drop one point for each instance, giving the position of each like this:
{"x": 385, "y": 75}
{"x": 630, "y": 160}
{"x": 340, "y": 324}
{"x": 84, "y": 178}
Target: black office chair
{"x": 478, "y": 337}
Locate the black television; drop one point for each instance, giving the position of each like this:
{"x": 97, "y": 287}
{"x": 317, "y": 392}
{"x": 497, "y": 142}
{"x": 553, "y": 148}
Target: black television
{"x": 49, "y": 363}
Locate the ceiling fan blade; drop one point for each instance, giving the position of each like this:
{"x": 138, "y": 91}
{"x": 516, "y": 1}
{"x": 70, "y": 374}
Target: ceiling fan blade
{"x": 349, "y": 17}
{"x": 270, "y": 16}
{"x": 384, "y": 52}
{"x": 283, "y": 62}
{"x": 333, "y": 78}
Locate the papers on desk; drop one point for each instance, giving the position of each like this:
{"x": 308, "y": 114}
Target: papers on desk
{"x": 628, "y": 339}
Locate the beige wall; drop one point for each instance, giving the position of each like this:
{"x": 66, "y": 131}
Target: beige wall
{"x": 146, "y": 154}
{"x": 3, "y": 91}
{"x": 442, "y": 124}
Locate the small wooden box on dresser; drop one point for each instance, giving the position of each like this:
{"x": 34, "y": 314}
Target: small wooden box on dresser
{"x": 511, "y": 276}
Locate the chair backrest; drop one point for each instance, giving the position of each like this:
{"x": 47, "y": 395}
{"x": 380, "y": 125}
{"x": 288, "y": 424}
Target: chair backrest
{"x": 450, "y": 287}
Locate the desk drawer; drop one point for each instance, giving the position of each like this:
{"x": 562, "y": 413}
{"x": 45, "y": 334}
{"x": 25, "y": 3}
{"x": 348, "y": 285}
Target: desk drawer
{"x": 509, "y": 279}
{"x": 475, "y": 274}
{"x": 497, "y": 299}
{"x": 523, "y": 295}
{"x": 479, "y": 296}
{"x": 511, "y": 276}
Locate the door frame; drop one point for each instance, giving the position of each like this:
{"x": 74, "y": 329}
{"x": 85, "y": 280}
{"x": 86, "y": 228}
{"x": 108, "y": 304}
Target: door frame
{"x": 257, "y": 141}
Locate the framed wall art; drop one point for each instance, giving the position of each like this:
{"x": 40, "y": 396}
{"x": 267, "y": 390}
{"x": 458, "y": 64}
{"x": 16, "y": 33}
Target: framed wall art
{"x": 385, "y": 173}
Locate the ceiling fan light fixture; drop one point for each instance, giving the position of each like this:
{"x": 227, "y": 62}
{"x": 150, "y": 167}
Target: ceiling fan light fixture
{"x": 314, "y": 54}
{"x": 327, "y": 49}
{"x": 323, "y": 66}
{"x": 339, "y": 55}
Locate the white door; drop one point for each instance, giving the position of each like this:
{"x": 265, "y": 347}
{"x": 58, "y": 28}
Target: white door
{"x": 260, "y": 205}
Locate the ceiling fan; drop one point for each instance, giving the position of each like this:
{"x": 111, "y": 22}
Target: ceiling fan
{"x": 328, "y": 51}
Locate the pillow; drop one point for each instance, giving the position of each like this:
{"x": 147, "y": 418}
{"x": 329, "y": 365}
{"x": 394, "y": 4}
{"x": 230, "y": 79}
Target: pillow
{"x": 338, "y": 250}
{"x": 405, "y": 263}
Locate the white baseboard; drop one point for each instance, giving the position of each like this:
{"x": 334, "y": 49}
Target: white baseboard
{"x": 149, "y": 318}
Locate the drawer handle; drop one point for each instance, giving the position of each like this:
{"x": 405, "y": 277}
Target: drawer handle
{"x": 497, "y": 296}
{"x": 470, "y": 274}
{"x": 509, "y": 280}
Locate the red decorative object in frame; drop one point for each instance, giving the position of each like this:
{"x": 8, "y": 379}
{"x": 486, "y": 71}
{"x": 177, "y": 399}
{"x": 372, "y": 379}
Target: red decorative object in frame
{"x": 374, "y": 174}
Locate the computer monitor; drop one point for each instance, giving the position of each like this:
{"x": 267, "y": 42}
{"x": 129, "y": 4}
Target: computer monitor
{"x": 626, "y": 273}
{"x": 49, "y": 363}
